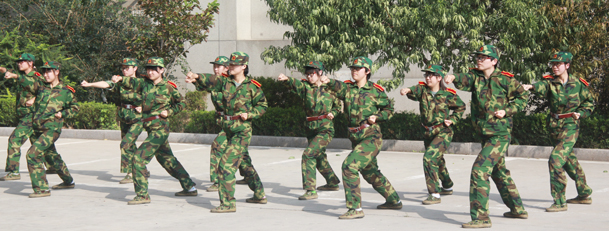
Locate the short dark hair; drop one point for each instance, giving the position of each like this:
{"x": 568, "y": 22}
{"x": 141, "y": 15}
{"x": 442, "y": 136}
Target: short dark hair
{"x": 310, "y": 70}
{"x": 369, "y": 74}
{"x": 247, "y": 70}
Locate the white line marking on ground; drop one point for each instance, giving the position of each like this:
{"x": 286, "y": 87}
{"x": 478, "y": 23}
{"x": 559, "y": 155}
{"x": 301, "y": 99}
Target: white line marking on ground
{"x": 283, "y": 161}
{"x": 81, "y": 142}
{"x": 185, "y": 150}
{"x": 93, "y": 161}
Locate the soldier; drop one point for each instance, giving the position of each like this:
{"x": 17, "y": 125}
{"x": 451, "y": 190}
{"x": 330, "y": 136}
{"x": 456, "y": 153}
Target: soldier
{"x": 243, "y": 101}
{"x": 25, "y": 77}
{"x": 436, "y": 102}
{"x": 54, "y": 103}
{"x": 366, "y": 104}
{"x": 160, "y": 99}
{"x": 320, "y": 105}
{"x": 130, "y": 120}
{"x": 496, "y": 97}
{"x": 570, "y": 100}
{"x": 220, "y": 69}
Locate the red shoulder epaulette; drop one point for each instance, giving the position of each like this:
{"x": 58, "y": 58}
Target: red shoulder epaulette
{"x": 451, "y": 90}
{"x": 379, "y": 87}
{"x": 71, "y": 89}
{"x": 349, "y": 81}
{"x": 225, "y": 75}
{"x": 473, "y": 68}
{"x": 173, "y": 84}
{"x": 304, "y": 80}
{"x": 256, "y": 83}
{"x": 548, "y": 77}
{"x": 584, "y": 81}
{"x": 507, "y": 74}
{"x": 37, "y": 74}
{"x": 422, "y": 83}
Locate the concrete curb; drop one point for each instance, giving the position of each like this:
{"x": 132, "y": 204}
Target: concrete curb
{"x": 525, "y": 151}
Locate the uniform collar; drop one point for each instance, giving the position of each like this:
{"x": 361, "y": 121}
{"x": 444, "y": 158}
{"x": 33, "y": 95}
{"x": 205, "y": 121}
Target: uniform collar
{"x": 571, "y": 79}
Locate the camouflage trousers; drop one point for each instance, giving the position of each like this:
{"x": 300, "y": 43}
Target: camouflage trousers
{"x": 563, "y": 159}
{"x": 314, "y": 157}
{"x": 215, "y": 155}
{"x": 129, "y": 134}
{"x": 43, "y": 147}
{"x": 366, "y": 145}
{"x": 234, "y": 155}
{"x": 22, "y": 132}
{"x": 491, "y": 162}
{"x": 434, "y": 165}
{"x": 156, "y": 145}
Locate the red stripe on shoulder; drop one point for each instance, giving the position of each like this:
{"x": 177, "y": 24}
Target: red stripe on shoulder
{"x": 507, "y": 74}
{"x": 422, "y": 83}
{"x": 548, "y": 77}
{"x": 304, "y": 80}
{"x": 71, "y": 89}
{"x": 379, "y": 87}
{"x": 37, "y": 74}
{"x": 224, "y": 74}
{"x": 173, "y": 84}
{"x": 451, "y": 90}
{"x": 256, "y": 83}
{"x": 349, "y": 81}
{"x": 584, "y": 81}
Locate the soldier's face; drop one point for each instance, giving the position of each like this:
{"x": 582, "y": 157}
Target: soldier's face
{"x": 236, "y": 69}
{"x": 359, "y": 73}
{"x": 559, "y": 68}
{"x": 128, "y": 70}
{"x": 51, "y": 75}
{"x": 220, "y": 69}
{"x": 25, "y": 65}
{"x": 485, "y": 62}
{"x": 155, "y": 73}
{"x": 432, "y": 79}
{"x": 312, "y": 76}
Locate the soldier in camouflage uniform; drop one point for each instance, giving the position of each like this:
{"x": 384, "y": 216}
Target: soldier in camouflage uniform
{"x": 366, "y": 104}
{"x": 130, "y": 120}
{"x": 160, "y": 99}
{"x": 54, "y": 103}
{"x": 220, "y": 142}
{"x": 25, "y": 78}
{"x": 570, "y": 100}
{"x": 320, "y": 105}
{"x": 496, "y": 97}
{"x": 436, "y": 102}
{"x": 243, "y": 101}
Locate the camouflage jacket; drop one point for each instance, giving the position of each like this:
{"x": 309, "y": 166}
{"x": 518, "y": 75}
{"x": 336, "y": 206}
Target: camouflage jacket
{"x": 361, "y": 103}
{"x": 26, "y": 91}
{"x": 156, "y": 98}
{"x": 316, "y": 100}
{"x": 50, "y": 101}
{"x": 216, "y": 99}
{"x": 574, "y": 96}
{"x": 127, "y": 95}
{"x": 435, "y": 109}
{"x": 245, "y": 98}
{"x": 499, "y": 92}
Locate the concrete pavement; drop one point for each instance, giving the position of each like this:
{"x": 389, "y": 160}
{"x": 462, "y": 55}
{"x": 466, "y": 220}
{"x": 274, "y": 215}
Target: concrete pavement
{"x": 99, "y": 203}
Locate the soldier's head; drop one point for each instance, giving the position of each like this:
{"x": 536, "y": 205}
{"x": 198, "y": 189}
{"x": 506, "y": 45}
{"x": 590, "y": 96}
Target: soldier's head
{"x": 314, "y": 70}
{"x": 238, "y": 63}
{"x": 560, "y": 62}
{"x": 361, "y": 67}
{"x": 220, "y": 65}
{"x": 50, "y": 70}
{"x": 487, "y": 57}
{"x": 129, "y": 67}
{"x": 434, "y": 75}
{"x": 26, "y": 62}
{"x": 155, "y": 67}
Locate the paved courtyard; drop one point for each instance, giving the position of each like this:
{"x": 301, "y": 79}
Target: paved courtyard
{"x": 99, "y": 202}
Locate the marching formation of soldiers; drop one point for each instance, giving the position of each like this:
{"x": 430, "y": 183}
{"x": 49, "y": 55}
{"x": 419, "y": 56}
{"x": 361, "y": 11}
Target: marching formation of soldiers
{"x": 44, "y": 102}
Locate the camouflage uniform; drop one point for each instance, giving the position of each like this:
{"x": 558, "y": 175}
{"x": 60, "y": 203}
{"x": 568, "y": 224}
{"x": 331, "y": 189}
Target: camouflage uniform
{"x": 156, "y": 99}
{"x": 246, "y": 97}
{"x": 499, "y": 92}
{"x": 47, "y": 128}
{"x": 571, "y": 97}
{"x": 434, "y": 110}
{"x": 317, "y": 101}
{"x": 360, "y": 104}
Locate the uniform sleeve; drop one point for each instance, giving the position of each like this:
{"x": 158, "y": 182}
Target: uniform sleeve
{"x": 339, "y": 87}
{"x": 464, "y": 81}
{"x": 541, "y": 88}
{"x": 456, "y": 104}
{"x": 112, "y": 85}
{"x": 70, "y": 107}
{"x": 259, "y": 104}
{"x": 133, "y": 83}
{"x": 517, "y": 97}
{"x": 415, "y": 93}
{"x": 177, "y": 102}
{"x": 587, "y": 106}
{"x": 337, "y": 105}
{"x": 385, "y": 106}
{"x": 209, "y": 82}
{"x": 296, "y": 86}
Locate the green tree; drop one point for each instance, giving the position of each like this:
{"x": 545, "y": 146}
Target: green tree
{"x": 401, "y": 33}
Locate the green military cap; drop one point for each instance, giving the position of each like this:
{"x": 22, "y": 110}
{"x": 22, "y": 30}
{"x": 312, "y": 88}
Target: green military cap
{"x": 129, "y": 62}
{"x": 362, "y": 61}
{"x": 239, "y": 58}
{"x": 51, "y": 65}
{"x": 155, "y": 62}
{"x": 315, "y": 64}
{"x": 561, "y": 56}
{"x": 488, "y": 50}
{"x": 26, "y": 57}
{"x": 435, "y": 69}
{"x": 220, "y": 60}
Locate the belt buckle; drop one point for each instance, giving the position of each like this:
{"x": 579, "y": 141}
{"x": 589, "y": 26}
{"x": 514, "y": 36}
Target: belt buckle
{"x": 556, "y": 116}
{"x": 429, "y": 129}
